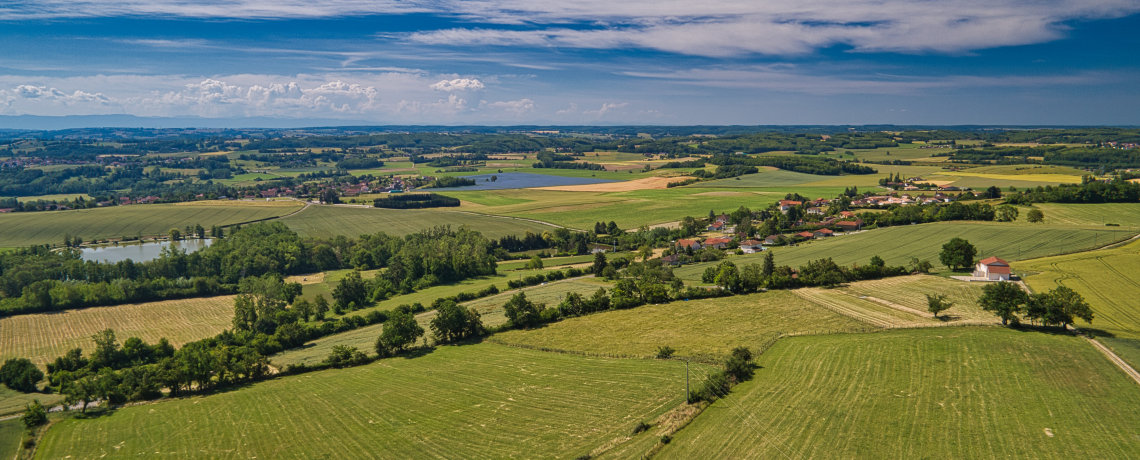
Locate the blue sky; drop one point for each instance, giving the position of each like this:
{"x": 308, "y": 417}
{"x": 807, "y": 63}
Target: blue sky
{"x": 577, "y": 61}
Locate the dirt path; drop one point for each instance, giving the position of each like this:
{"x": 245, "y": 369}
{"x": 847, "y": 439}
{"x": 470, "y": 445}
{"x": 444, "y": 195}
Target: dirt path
{"x": 1116, "y": 360}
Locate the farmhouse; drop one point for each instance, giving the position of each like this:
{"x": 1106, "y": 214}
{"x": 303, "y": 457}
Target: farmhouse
{"x": 689, "y": 244}
{"x": 718, "y": 243}
{"x": 672, "y": 259}
{"x": 806, "y": 235}
{"x": 993, "y": 269}
{"x": 850, "y": 225}
{"x": 752, "y": 246}
{"x": 773, "y": 239}
{"x": 823, "y": 233}
{"x": 785, "y": 205}
{"x": 717, "y": 226}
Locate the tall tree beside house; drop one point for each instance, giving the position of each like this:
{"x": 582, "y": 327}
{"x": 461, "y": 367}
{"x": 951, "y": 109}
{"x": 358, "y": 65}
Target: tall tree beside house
{"x": 769, "y": 266}
{"x": 1004, "y": 299}
{"x": 1058, "y": 307}
{"x": 957, "y": 254}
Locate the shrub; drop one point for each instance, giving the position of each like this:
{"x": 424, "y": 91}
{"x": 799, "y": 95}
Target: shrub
{"x": 641, "y": 426}
{"x": 20, "y": 374}
{"x": 34, "y": 414}
{"x": 665, "y": 352}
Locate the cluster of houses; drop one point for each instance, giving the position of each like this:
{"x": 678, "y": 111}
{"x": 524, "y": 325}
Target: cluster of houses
{"x": 903, "y": 200}
{"x": 126, "y": 200}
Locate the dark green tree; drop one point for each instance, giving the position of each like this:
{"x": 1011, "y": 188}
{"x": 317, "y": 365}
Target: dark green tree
{"x": 351, "y": 289}
{"x": 521, "y": 312}
{"x": 957, "y": 254}
{"x": 453, "y": 322}
{"x": 20, "y": 374}
{"x": 1058, "y": 307}
{"x": 35, "y": 414}
{"x": 1004, "y": 299}
{"x": 937, "y": 303}
{"x": 400, "y": 330}
{"x": 600, "y": 263}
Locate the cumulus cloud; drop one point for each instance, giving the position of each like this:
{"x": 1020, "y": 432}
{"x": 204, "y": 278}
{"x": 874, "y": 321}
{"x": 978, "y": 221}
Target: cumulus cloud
{"x": 519, "y": 107}
{"x": 54, "y": 95}
{"x": 451, "y": 106}
{"x": 568, "y": 111}
{"x": 458, "y": 84}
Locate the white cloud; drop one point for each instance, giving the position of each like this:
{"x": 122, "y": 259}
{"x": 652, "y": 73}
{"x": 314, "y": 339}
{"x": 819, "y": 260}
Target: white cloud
{"x": 572, "y": 110}
{"x": 458, "y": 84}
{"x": 606, "y": 108}
{"x": 519, "y": 107}
{"x": 54, "y": 95}
{"x": 451, "y": 106}
{"x": 791, "y": 79}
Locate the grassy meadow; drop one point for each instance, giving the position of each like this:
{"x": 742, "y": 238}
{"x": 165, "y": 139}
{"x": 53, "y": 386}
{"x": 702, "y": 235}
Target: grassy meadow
{"x": 933, "y": 393}
{"x": 1124, "y": 214}
{"x": 42, "y": 337}
{"x": 331, "y": 221}
{"x": 473, "y": 401}
{"x": 1108, "y": 279}
{"x": 693, "y": 328}
{"x": 897, "y": 245}
{"x": 911, "y": 291}
{"x": 13, "y": 402}
{"x": 11, "y": 436}
{"x": 49, "y": 227}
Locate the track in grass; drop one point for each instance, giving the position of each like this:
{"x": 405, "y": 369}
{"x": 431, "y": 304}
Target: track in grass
{"x": 27, "y": 228}
{"x": 897, "y": 245}
{"x": 1108, "y": 279}
{"x": 43, "y": 337}
{"x": 910, "y": 292}
{"x": 698, "y": 327}
{"x": 473, "y": 401}
{"x": 330, "y": 221}
{"x": 942, "y": 393}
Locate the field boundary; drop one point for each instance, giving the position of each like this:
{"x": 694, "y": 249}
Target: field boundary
{"x": 1115, "y": 360}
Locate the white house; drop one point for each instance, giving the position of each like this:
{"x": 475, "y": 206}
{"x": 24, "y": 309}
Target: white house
{"x": 993, "y": 269}
{"x": 752, "y": 246}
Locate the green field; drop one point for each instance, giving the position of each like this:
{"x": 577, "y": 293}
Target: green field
{"x": 548, "y": 262}
{"x": 490, "y": 308}
{"x": 1125, "y": 214}
{"x": 42, "y": 337}
{"x": 939, "y": 393}
{"x": 897, "y": 245}
{"x": 49, "y": 227}
{"x": 1126, "y": 349}
{"x": 11, "y": 435}
{"x": 474, "y": 401}
{"x": 911, "y": 291}
{"x": 1108, "y": 279}
{"x": 330, "y": 221}
{"x": 784, "y": 179}
{"x": 13, "y": 402}
{"x": 699, "y": 327}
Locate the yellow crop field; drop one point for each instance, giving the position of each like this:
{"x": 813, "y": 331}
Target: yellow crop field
{"x": 43, "y": 337}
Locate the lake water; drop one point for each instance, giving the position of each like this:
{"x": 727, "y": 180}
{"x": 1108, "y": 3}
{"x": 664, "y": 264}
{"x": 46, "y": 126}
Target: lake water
{"x": 139, "y": 252}
{"x": 510, "y": 180}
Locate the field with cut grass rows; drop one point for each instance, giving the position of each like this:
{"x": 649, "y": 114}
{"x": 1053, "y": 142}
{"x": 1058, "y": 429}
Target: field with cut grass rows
{"x": 49, "y": 227}
{"x": 45, "y": 336}
{"x": 473, "y": 401}
{"x": 936, "y": 393}
{"x": 897, "y": 245}
{"x": 694, "y": 328}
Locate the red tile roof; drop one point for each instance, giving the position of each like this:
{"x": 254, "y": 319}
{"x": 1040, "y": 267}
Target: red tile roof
{"x": 993, "y": 261}
{"x": 998, "y": 269}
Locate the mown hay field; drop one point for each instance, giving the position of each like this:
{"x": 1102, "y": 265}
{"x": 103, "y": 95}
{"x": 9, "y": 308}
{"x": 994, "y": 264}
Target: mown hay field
{"x": 930, "y": 393}
{"x": 44, "y": 336}
{"x": 49, "y": 227}
{"x": 897, "y": 245}
{"x": 330, "y": 221}
{"x": 13, "y": 402}
{"x": 491, "y": 309}
{"x": 473, "y": 401}
{"x": 693, "y": 328}
{"x": 911, "y": 291}
{"x": 1108, "y": 279}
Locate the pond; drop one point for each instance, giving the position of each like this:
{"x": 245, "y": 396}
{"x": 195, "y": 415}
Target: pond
{"x": 509, "y": 180}
{"x": 139, "y": 252}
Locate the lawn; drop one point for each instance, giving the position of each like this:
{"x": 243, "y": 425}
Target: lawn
{"x": 693, "y": 328}
{"x": 1109, "y": 280}
{"x": 474, "y": 401}
{"x": 1126, "y": 349}
{"x": 44, "y": 336}
{"x": 49, "y": 227}
{"x": 897, "y": 245}
{"x": 330, "y": 221}
{"x": 937, "y": 393}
